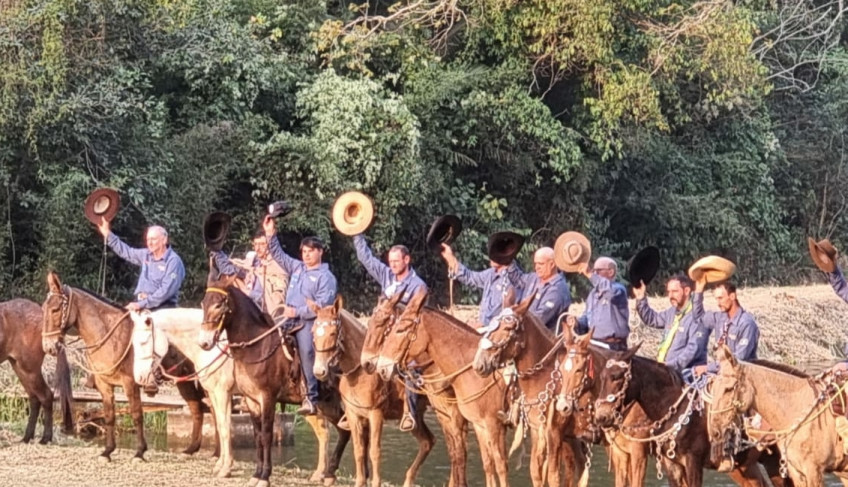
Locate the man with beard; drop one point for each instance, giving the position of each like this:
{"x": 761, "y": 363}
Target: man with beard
{"x": 733, "y": 326}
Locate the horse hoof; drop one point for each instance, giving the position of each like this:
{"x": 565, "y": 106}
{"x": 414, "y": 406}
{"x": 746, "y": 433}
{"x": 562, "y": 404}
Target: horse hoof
{"x": 223, "y": 473}
{"x": 263, "y": 483}
{"x": 328, "y": 481}
{"x": 252, "y": 482}
{"x": 316, "y": 477}
{"x": 103, "y": 459}
{"x": 26, "y": 440}
{"x": 44, "y": 441}
{"x": 137, "y": 460}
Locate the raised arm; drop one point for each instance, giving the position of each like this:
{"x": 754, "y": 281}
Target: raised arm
{"x": 124, "y": 251}
{"x": 473, "y": 278}
{"x": 372, "y": 264}
{"x": 837, "y": 282}
{"x": 648, "y": 315}
{"x": 710, "y": 320}
{"x": 225, "y": 265}
{"x": 288, "y": 263}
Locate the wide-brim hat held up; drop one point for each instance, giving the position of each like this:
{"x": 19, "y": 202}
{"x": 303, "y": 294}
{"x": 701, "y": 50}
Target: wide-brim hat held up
{"x": 353, "y": 213}
{"x": 571, "y": 250}
{"x": 504, "y": 246}
{"x": 443, "y": 231}
{"x": 102, "y": 203}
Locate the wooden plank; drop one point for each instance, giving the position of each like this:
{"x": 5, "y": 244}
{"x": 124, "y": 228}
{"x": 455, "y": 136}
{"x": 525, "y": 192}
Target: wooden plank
{"x": 158, "y": 402}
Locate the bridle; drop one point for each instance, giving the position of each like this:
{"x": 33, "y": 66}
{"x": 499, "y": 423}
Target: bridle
{"x": 568, "y": 398}
{"x": 320, "y": 329}
{"x": 511, "y": 323}
{"x": 66, "y": 311}
{"x": 219, "y": 325}
{"x": 617, "y": 398}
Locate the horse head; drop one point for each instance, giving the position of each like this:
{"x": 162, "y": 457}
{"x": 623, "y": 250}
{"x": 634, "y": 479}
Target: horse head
{"x": 400, "y": 341}
{"x": 503, "y": 338}
{"x": 614, "y": 381}
{"x": 732, "y": 398}
{"x": 379, "y": 325}
{"x": 216, "y": 309}
{"x": 56, "y": 310}
{"x": 327, "y": 337}
{"x": 577, "y": 370}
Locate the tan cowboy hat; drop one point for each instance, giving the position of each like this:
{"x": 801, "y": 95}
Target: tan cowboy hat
{"x": 571, "y": 250}
{"x": 102, "y": 203}
{"x": 712, "y": 268}
{"x": 824, "y": 254}
{"x": 353, "y": 213}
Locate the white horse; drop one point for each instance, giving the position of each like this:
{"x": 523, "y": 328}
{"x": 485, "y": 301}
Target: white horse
{"x": 214, "y": 368}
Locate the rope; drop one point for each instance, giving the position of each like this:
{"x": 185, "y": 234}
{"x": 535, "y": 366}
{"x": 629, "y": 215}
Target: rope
{"x": 110, "y": 369}
{"x": 254, "y": 340}
{"x": 196, "y": 374}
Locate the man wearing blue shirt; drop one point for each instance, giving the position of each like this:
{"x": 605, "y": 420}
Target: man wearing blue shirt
{"x": 733, "y": 326}
{"x": 606, "y": 306}
{"x": 310, "y": 279}
{"x": 551, "y": 296}
{"x": 162, "y": 270}
{"x": 398, "y": 276}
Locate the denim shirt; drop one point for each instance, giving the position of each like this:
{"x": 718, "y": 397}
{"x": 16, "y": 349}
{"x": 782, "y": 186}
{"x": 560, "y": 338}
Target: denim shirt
{"x": 837, "y": 281}
{"x": 318, "y": 285}
{"x": 226, "y": 267}
{"x": 160, "y": 279}
{"x": 494, "y": 285}
{"x": 606, "y": 310}
{"x": 550, "y": 299}
{"x": 743, "y": 334}
{"x": 381, "y": 273}
{"x": 689, "y": 345}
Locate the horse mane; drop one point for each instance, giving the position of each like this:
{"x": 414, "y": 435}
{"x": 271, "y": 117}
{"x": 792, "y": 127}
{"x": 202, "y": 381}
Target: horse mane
{"x": 255, "y": 315}
{"x": 786, "y": 369}
{"x": 646, "y": 362}
{"x": 100, "y": 298}
{"x": 348, "y": 316}
{"x": 537, "y": 323}
{"x": 450, "y": 319}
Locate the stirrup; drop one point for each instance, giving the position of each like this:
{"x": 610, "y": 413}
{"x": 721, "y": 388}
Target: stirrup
{"x": 343, "y": 424}
{"x": 407, "y": 422}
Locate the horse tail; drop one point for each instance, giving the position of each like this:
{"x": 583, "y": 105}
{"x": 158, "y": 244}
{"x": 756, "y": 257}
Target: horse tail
{"x": 517, "y": 439}
{"x": 63, "y": 386}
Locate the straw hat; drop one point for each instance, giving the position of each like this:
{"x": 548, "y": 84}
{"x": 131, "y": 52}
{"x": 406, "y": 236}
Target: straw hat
{"x": 823, "y": 253}
{"x": 504, "y": 246}
{"x": 643, "y": 266}
{"x": 712, "y": 268}
{"x": 102, "y": 203}
{"x": 216, "y": 226}
{"x": 443, "y": 231}
{"x": 571, "y": 250}
{"x": 353, "y": 213}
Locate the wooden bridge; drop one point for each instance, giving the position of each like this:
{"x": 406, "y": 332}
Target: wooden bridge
{"x": 159, "y": 402}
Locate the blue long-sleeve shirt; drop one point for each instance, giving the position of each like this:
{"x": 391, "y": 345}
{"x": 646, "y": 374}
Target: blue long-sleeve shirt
{"x": 160, "y": 279}
{"x": 494, "y": 284}
{"x": 381, "y": 273}
{"x": 689, "y": 344}
{"x": 837, "y": 282}
{"x": 226, "y": 267}
{"x": 318, "y": 285}
{"x": 606, "y": 310}
{"x": 742, "y": 332}
{"x": 550, "y": 299}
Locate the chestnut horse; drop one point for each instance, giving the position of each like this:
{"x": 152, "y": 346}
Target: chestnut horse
{"x": 427, "y": 334}
{"x": 265, "y": 374}
{"x": 214, "y": 371}
{"x": 521, "y": 337}
{"x": 798, "y": 416}
{"x": 676, "y": 426}
{"x": 106, "y": 330}
{"x": 20, "y": 344}
{"x": 442, "y": 398}
{"x": 338, "y": 339}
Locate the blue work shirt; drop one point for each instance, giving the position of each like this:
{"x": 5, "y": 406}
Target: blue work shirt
{"x": 389, "y": 284}
{"x": 318, "y": 285}
{"x": 837, "y": 281}
{"x": 160, "y": 279}
{"x": 226, "y": 267}
{"x": 689, "y": 344}
{"x": 495, "y": 286}
{"x": 741, "y": 332}
{"x": 550, "y": 299}
{"x": 606, "y": 310}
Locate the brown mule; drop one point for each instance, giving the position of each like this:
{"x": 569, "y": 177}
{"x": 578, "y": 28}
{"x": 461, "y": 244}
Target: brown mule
{"x": 20, "y": 343}
{"x": 521, "y": 337}
{"x": 106, "y": 330}
{"x": 442, "y": 400}
{"x": 423, "y": 334}
{"x": 264, "y": 374}
{"x": 369, "y": 401}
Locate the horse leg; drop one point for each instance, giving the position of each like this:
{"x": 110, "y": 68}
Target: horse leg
{"x": 39, "y": 396}
{"x": 222, "y": 405}
{"x": 255, "y": 411}
{"x": 336, "y": 457}
{"x": 568, "y": 453}
{"x": 319, "y": 426}
{"x": 638, "y": 463}
{"x": 375, "y": 445}
{"x": 486, "y": 455}
{"x": 454, "y": 427}
{"x": 357, "y": 432}
{"x": 107, "y": 392}
{"x": 133, "y": 392}
{"x": 747, "y": 473}
{"x": 497, "y": 437}
{"x": 426, "y": 440}
{"x": 193, "y": 396}
{"x": 537, "y": 457}
{"x": 269, "y": 408}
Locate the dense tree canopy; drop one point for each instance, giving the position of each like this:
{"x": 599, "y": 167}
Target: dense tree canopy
{"x": 696, "y": 126}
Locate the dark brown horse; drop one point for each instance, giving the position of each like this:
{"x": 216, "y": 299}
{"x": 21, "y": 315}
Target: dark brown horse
{"x": 521, "y": 337}
{"x": 423, "y": 334}
{"x": 106, "y": 330}
{"x": 369, "y": 401}
{"x": 20, "y": 344}
{"x": 442, "y": 399}
{"x": 676, "y": 423}
{"x": 265, "y": 374}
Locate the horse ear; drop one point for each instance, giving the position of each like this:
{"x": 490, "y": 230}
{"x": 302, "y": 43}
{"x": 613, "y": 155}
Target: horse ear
{"x": 583, "y": 341}
{"x": 396, "y": 297}
{"x": 521, "y": 308}
{"x": 313, "y": 306}
{"x": 631, "y": 352}
{"x": 567, "y": 332}
{"x": 725, "y": 355}
{"x": 417, "y": 301}
{"x": 338, "y": 304}
{"x": 509, "y": 299}
{"x": 53, "y": 282}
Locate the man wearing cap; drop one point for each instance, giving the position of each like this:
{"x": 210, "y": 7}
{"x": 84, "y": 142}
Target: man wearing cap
{"x": 162, "y": 270}
{"x": 310, "y": 280}
{"x": 684, "y": 343}
{"x": 606, "y": 306}
{"x": 396, "y": 277}
{"x": 551, "y": 296}
{"x": 500, "y": 283}
{"x": 733, "y": 326}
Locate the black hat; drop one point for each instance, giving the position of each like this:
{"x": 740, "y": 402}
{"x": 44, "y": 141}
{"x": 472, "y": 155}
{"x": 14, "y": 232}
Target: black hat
{"x": 643, "y": 266}
{"x": 504, "y": 246}
{"x": 279, "y": 208}
{"x": 443, "y": 231}
{"x": 216, "y": 226}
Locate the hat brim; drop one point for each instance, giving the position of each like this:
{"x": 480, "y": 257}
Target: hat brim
{"x": 504, "y": 246}
{"x": 712, "y": 268}
{"x": 824, "y": 258}
{"x": 353, "y": 213}
{"x": 216, "y": 227}
{"x": 444, "y": 230}
{"x": 643, "y": 266}
{"x": 93, "y": 214}
{"x": 561, "y": 258}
